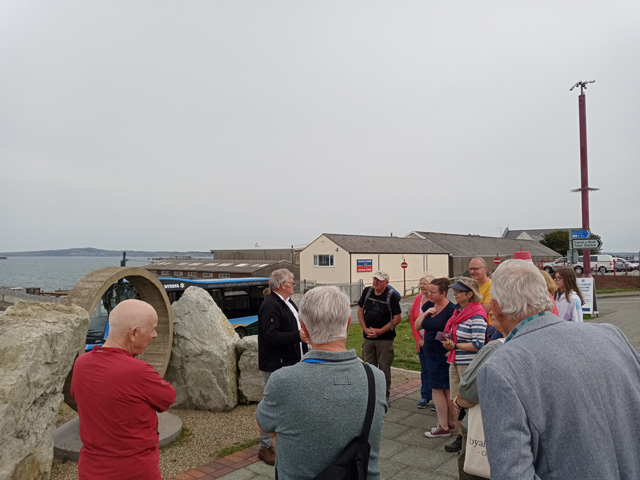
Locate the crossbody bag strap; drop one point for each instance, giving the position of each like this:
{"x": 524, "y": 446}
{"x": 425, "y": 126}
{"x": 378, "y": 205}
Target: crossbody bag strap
{"x": 371, "y": 402}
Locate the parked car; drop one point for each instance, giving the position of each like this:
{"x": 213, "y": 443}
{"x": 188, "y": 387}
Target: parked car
{"x": 622, "y": 265}
{"x": 633, "y": 264}
{"x": 551, "y": 267}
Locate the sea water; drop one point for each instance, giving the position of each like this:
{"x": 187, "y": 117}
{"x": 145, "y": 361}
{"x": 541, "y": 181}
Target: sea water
{"x": 55, "y": 273}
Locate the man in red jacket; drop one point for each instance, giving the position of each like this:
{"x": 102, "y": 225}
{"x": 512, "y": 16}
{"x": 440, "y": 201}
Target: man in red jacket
{"x": 118, "y": 396}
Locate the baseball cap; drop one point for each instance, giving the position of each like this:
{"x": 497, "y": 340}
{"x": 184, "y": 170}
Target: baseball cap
{"x": 381, "y": 275}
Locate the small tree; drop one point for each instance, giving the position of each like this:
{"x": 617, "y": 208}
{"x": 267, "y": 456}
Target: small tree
{"x": 557, "y": 240}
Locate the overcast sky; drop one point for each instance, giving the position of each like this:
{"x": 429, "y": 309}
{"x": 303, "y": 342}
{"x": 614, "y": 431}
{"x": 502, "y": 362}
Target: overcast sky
{"x": 194, "y": 125}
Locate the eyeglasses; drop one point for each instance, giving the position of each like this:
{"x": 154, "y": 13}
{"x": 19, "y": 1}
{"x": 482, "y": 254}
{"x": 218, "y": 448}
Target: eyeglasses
{"x": 473, "y": 269}
{"x": 292, "y": 283}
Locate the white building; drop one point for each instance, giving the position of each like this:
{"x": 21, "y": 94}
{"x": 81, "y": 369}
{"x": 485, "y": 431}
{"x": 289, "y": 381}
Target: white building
{"x": 347, "y": 259}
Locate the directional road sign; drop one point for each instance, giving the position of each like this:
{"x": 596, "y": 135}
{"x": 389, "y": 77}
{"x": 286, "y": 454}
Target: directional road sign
{"x": 580, "y": 233}
{"x": 588, "y": 243}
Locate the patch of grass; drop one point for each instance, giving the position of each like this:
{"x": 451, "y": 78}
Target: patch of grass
{"x": 236, "y": 447}
{"x": 617, "y": 290}
{"x": 183, "y": 437}
{"x": 406, "y": 355}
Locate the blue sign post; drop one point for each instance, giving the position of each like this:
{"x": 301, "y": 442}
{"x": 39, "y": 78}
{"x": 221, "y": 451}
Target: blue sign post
{"x": 580, "y": 233}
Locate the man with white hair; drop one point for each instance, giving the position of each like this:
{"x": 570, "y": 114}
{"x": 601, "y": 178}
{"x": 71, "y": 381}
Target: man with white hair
{"x": 279, "y": 342}
{"x": 316, "y": 407}
{"x": 118, "y": 396}
{"x": 559, "y": 400}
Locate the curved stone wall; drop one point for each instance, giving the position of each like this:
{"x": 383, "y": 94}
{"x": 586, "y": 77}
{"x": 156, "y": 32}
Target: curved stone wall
{"x": 88, "y": 292}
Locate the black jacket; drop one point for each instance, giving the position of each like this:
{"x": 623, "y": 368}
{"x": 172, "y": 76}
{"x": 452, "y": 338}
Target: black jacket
{"x": 278, "y": 335}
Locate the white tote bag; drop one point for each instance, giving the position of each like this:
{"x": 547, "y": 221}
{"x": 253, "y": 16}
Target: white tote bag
{"x": 475, "y": 460}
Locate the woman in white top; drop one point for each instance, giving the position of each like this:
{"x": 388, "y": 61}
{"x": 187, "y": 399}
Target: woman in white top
{"x": 568, "y": 297}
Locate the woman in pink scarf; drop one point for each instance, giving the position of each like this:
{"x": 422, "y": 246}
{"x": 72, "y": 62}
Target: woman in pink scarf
{"x": 467, "y": 329}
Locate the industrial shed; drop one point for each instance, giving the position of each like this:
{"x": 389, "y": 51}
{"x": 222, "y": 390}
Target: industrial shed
{"x": 203, "y": 268}
{"x": 348, "y": 259}
{"x": 462, "y": 248}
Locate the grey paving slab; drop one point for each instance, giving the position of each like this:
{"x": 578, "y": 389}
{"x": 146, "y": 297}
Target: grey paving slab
{"x": 409, "y": 473}
{"x": 395, "y": 414}
{"x": 261, "y": 468}
{"x": 389, "y": 448}
{"x": 414, "y": 396}
{"x": 419, "y": 420}
{"x": 450, "y": 467}
{"x": 242, "y": 474}
{"x": 392, "y": 430}
{"x": 404, "y": 404}
{"x": 389, "y": 468}
{"x": 415, "y": 436}
{"x": 421, "y": 458}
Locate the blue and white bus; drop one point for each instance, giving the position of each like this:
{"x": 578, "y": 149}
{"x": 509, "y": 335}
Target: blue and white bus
{"x": 238, "y": 298}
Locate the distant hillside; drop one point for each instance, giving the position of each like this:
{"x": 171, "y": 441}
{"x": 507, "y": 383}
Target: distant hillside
{"x": 96, "y": 252}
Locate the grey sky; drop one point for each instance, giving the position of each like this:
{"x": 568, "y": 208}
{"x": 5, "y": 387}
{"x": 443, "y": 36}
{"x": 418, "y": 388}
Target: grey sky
{"x": 217, "y": 124}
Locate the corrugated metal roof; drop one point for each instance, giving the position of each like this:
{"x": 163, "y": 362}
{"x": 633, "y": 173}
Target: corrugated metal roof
{"x": 372, "y": 244}
{"x": 478, "y": 246}
{"x": 239, "y": 266}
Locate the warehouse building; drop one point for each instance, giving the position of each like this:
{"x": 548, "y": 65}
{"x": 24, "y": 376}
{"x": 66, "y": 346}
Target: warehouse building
{"x": 199, "y": 269}
{"x": 352, "y": 259}
{"x": 462, "y": 248}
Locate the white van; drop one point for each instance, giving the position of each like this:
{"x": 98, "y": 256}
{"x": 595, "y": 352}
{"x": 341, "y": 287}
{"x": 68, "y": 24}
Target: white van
{"x": 600, "y": 263}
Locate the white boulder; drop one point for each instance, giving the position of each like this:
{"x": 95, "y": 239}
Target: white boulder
{"x": 38, "y": 345}
{"x": 203, "y": 366}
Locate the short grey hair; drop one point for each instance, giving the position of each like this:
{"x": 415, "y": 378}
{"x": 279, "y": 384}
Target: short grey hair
{"x": 324, "y": 312}
{"x": 428, "y": 277}
{"x": 520, "y": 289}
{"x": 278, "y": 277}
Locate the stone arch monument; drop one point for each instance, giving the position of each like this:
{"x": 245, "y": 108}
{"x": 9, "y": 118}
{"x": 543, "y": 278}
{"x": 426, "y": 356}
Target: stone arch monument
{"x": 88, "y": 292}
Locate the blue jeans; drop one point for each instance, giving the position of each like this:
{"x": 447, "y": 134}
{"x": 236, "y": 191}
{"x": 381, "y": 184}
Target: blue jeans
{"x": 425, "y": 389}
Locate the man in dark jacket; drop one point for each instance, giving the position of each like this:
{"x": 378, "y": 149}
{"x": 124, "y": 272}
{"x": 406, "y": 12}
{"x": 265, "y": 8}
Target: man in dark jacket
{"x": 279, "y": 343}
{"x": 379, "y": 313}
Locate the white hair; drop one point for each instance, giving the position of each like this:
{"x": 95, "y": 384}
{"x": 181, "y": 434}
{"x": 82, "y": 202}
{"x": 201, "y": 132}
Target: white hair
{"x": 324, "y": 312}
{"x": 520, "y": 289}
{"x": 278, "y": 277}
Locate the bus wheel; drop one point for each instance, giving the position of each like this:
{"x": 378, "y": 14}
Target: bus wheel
{"x": 241, "y": 331}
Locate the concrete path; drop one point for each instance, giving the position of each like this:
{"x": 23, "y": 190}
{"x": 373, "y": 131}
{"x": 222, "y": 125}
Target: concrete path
{"x": 405, "y": 453}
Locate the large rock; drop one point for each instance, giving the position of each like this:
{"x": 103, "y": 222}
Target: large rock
{"x": 250, "y": 382}
{"x": 203, "y": 358}
{"x": 38, "y": 344}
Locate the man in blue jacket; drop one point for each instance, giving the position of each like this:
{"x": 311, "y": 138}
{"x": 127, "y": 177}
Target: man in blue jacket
{"x": 279, "y": 343}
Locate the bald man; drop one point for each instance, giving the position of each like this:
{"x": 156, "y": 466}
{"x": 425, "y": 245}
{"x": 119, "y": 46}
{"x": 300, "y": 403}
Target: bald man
{"x": 118, "y": 396}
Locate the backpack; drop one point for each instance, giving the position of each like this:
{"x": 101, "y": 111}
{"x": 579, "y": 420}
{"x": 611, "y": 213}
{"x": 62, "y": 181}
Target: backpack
{"x": 353, "y": 461}
{"x": 387, "y": 301}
